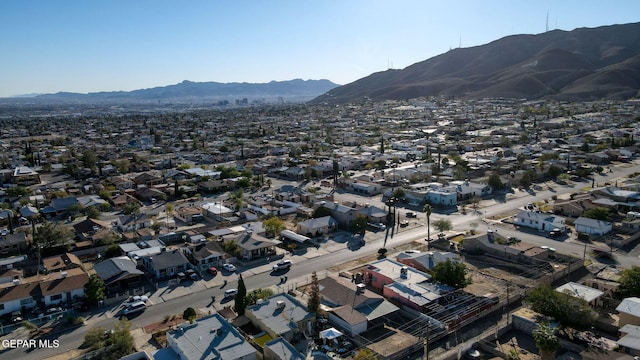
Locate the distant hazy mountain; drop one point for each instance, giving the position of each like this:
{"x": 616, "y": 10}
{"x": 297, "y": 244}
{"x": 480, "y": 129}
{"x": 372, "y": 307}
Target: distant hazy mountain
{"x": 292, "y": 90}
{"x": 583, "y": 64}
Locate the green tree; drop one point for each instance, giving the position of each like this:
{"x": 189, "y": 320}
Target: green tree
{"x": 258, "y": 294}
{"x": 442, "y": 225}
{"x": 452, "y": 273}
{"x": 122, "y": 342}
{"x": 96, "y": 338}
{"x": 131, "y": 208}
{"x": 273, "y": 225}
{"x": 568, "y": 310}
{"x": 241, "y": 297}
{"x": 427, "y": 209}
{"x": 94, "y": 290}
{"x": 554, "y": 171}
{"x": 89, "y": 159}
{"x": 546, "y": 341}
{"x": 495, "y": 182}
{"x": 189, "y": 314}
{"x": 399, "y": 193}
{"x": 112, "y": 251}
{"x": 313, "y": 304}
{"x": 49, "y": 235}
{"x": 598, "y": 213}
{"x": 321, "y": 211}
{"x": 18, "y": 191}
{"x": 359, "y": 225}
{"x": 629, "y": 283}
{"x": 92, "y": 212}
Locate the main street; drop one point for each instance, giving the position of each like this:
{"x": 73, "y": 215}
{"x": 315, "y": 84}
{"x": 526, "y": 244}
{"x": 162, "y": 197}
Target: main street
{"x": 260, "y": 277}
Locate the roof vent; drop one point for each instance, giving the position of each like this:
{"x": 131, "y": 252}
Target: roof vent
{"x": 63, "y": 275}
{"x": 280, "y": 304}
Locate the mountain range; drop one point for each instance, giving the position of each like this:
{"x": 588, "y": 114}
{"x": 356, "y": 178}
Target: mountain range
{"x": 296, "y": 90}
{"x": 582, "y": 64}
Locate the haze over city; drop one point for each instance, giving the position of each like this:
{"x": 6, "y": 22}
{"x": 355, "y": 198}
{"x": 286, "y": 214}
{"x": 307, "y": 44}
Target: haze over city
{"x": 76, "y": 46}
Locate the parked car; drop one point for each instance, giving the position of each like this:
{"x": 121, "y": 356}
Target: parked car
{"x": 16, "y": 317}
{"x": 282, "y": 265}
{"x": 404, "y": 223}
{"x": 136, "y": 307}
{"x": 229, "y": 293}
{"x": 229, "y": 267}
{"x": 555, "y": 233}
{"x": 411, "y": 214}
{"x": 192, "y": 274}
{"x": 213, "y": 271}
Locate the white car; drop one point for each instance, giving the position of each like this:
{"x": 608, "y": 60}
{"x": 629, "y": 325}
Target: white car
{"x": 135, "y": 299}
{"x": 230, "y": 293}
{"x": 229, "y": 267}
{"x": 284, "y": 264}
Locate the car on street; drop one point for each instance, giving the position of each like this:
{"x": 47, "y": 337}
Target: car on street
{"x": 229, "y": 293}
{"x": 134, "y": 308}
{"x": 411, "y": 214}
{"x": 404, "y": 223}
{"x": 229, "y": 267}
{"x": 282, "y": 265}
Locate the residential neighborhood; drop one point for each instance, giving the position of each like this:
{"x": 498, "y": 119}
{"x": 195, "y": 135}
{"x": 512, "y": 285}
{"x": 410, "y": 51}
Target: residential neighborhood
{"x": 366, "y": 203}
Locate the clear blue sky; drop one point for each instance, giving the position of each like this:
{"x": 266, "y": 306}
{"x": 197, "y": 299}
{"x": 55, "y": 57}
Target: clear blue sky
{"x": 98, "y": 45}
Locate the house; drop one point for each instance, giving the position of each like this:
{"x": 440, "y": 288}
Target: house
{"x": 538, "y": 220}
{"x": 468, "y": 190}
{"x": 216, "y": 211}
{"x": 406, "y": 286}
{"x": 149, "y": 194}
{"x": 166, "y": 264}
{"x": 373, "y": 214}
{"x": 120, "y": 200}
{"x": 24, "y": 176}
{"x": 132, "y": 222}
{"x": 119, "y": 273}
{"x": 281, "y": 349}
{"x": 189, "y": 213}
{"x": 209, "y": 337}
{"x": 344, "y": 215}
{"x": 205, "y": 255}
{"x": 66, "y": 261}
{"x": 86, "y": 229}
{"x": 147, "y": 179}
{"x": 592, "y": 227}
{"x": 63, "y": 287}
{"x": 8, "y": 275}
{"x": 281, "y": 315}
{"x": 12, "y": 244}
{"x": 630, "y": 340}
{"x": 317, "y": 226}
{"x": 91, "y": 200}
{"x": 425, "y": 261}
{"x": 351, "y": 307}
{"x": 15, "y": 296}
{"x": 59, "y": 206}
{"x": 592, "y": 296}
{"x": 252, "y": 245}
{"x": 629, "y": 311}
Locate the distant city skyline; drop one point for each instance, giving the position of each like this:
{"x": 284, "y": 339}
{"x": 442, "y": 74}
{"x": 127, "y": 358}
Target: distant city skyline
{"x": 93, "y": 46}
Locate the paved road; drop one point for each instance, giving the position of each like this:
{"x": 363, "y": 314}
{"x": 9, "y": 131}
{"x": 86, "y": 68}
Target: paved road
{"x": 336, "y": 253}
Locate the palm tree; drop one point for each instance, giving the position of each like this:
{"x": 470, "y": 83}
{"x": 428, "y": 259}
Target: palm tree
{"x": 427, "y": 209}
{"x": 546, "y": 341}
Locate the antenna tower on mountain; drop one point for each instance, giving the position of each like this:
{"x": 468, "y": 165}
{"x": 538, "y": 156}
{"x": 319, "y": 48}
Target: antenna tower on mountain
{"x": 547, "y": 26}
